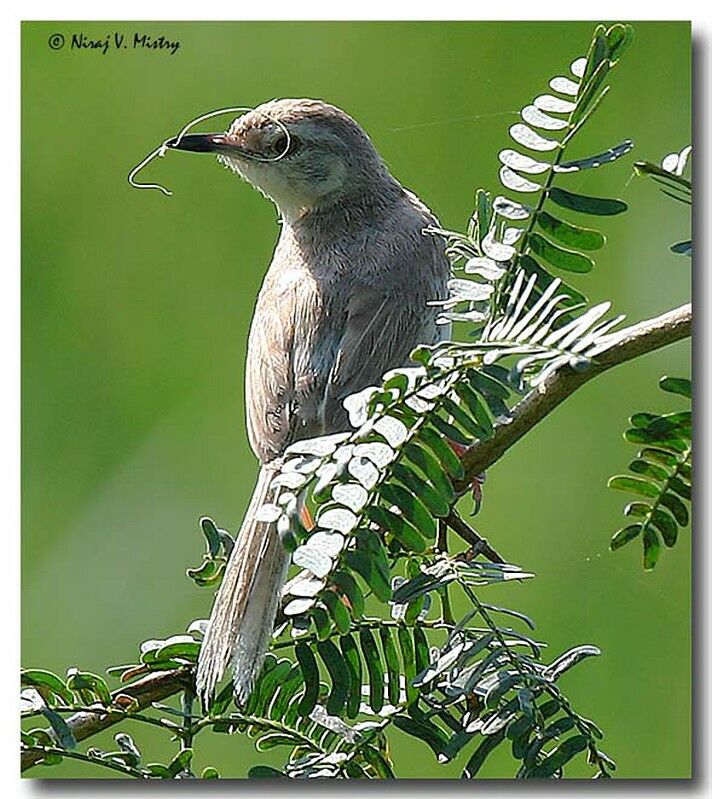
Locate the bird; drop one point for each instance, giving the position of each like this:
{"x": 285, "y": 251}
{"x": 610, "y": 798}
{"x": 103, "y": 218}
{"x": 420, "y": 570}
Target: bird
{"x": 351, "y": 290}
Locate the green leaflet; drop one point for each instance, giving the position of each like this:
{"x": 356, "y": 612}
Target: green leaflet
{"x": 423, "y": 729}
{"x": 443, "y": 452}
{"x": 402, "y": 530}
{"x": 407, "y": 649}
{"x": 267, "y": 686}
{"x": 677, "y": 385}
{"x": 392, "y": 664}
{"x": 667, "y": 526}
{"x": 449, "y": 431}
{"x": 338, "y": 672}
{"x": 651, "y": 548}
{"x": 419, "y": 585}
{"x": 181, "y": 762}
{"x": 484, "y": 212}
{"x": 567, "y": 233}
{"x": 184, "y": 649}
{"x": 634, "y": 484}
{"x": 422, "y": 653}
{"x": 378, "y": 763}
{"x": 680, "y": 423}
{"x": 46, "y": 684}
{"x": 460, "y": 416}
{"x": 504, "y": 683}
{"x": 659, "y": 456}
{"x": 353, "y": 662}
{"x": 671, "y": 438}
{"x": 350, "y": 589}
{"x": 624, "y": 535}
{"x": 436, "y": 503}
{"x": 90, "y": 687}
{"x": 433, "y": 468}
{"x": 642, "y": 419}
{"x": 564, "y": 752}
{"x": 568, "y": 260}
{"x": 411, "y": 507}
{"x": 355, "y": 771}
{"x": 597, "y": 52}
{"x": 476, "y": 761}
{"x": 322, "y": 622}
{"x": 222, "y": 701}
{"x": 637, "y": 509}
{"x": 591, "y": 93}
{"x": 476, "y": 407}
{"x": 679, "y": 511}
{"x": 599, "y": 206}
{"x": 375, "y": 669}
{"x": 212, "y": 536}
{"x": 310, "y": 675}
{"x": 287, "y": 691}
{"x": 485, "y": 384}
{"x": 337, "y": 610}
{"x": 648, "y": 469}
{"x": 370, "y": 560}
{"x": 272, "y": 739}
{"x": 264, "y": 773}
{"x": 680, "y": 487}
{"x": 208, "y": 573}
{"x": 619, "y": 39}
{"x": 211, "y": 773}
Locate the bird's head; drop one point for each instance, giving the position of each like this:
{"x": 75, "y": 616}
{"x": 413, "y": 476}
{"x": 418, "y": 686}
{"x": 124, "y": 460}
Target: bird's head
{"x": 302, "y": 154}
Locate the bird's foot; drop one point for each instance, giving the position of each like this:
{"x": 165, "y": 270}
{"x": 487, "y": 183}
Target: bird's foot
{"x": 477, "y": 481}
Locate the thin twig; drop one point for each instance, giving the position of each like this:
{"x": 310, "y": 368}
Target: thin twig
{"x": 480, "y": 546}
{"x": 42, "y": 751}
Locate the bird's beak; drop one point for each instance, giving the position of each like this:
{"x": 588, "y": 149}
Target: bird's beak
{"x": 206, "y": 143}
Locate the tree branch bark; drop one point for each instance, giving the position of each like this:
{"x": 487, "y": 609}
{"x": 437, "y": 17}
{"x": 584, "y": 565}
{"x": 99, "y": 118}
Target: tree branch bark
{"x": 152, "y": 688}
{"x": 629, "y": 343}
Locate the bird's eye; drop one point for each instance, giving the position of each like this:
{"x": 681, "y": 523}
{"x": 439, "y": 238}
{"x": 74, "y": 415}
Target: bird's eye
{"x": 285, "y": 145}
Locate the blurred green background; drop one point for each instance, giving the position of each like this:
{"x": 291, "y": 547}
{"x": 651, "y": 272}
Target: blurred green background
{"x": 135, "y": 311}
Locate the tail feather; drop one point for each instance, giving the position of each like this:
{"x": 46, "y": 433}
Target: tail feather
{"x": 245, "y": 606}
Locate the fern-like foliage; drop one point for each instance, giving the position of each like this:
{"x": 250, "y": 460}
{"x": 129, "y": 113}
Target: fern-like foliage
{"x": 508, "y": 235}
{"x": 661, "y": 475}
{"x": 662, "y": 471}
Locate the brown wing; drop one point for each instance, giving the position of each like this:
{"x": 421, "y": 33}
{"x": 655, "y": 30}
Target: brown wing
{"x": 281, "y": 374}
{"x": 382, "y": 329}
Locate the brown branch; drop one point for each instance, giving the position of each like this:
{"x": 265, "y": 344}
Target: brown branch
{"x": 630, "y": 343}
{"x": 153, "y": 688}
{"x": 480, "y": 546}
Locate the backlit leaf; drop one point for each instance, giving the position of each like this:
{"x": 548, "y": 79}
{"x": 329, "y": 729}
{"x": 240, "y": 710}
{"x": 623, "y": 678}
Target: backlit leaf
{"x": 599, "y": 206}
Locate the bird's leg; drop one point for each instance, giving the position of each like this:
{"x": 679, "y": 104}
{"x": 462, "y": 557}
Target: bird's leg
{"x": 477, "y": 481}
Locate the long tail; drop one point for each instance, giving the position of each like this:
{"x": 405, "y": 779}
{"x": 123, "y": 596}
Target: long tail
{"x": 245, "y": 606}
